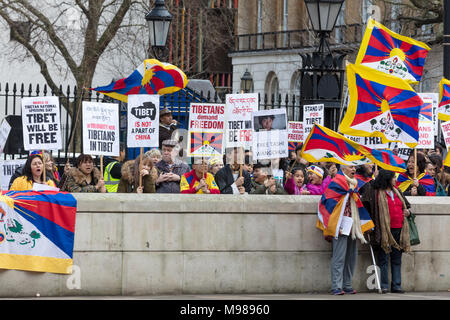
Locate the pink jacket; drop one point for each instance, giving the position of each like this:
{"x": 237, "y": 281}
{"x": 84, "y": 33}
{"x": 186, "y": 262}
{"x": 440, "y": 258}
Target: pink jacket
{"x": 292, "y": 188}
{"x": 318, "y": 188}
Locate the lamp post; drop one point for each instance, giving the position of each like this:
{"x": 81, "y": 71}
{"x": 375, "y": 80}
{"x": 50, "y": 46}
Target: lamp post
{"x": 322, "y": 73}
{"x": 158, "y": 20}
{"x": 246, "y": 82}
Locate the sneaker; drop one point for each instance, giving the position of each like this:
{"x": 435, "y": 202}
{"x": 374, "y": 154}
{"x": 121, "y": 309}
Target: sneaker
{"x": 349, "y": 291}
{"x": 397, "y": 291}
{"x": 384, "y": 290}
{"x": 337, "y": 292}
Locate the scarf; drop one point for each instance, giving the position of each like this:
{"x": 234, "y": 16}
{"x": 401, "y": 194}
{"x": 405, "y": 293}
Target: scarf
{"x": 387, "y": 240}
{"x": 356, "y": 226}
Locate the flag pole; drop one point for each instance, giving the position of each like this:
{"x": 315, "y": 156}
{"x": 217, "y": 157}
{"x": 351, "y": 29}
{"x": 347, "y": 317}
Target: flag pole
{"x": 415, "y": 163}
{"x": 140, "y": 166}
{"x": 101, "y": 166}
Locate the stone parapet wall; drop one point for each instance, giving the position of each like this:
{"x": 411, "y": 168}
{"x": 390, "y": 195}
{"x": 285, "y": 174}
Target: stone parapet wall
{"x": 129, "y": 244}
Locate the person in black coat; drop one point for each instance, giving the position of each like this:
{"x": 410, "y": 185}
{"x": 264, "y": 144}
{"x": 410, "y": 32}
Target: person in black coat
{"x": 228, "y": 178}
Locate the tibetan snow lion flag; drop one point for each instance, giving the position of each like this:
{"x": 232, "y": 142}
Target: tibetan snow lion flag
{"x": 37, "y": 231}
{"x": 326, "y": 145}
{"x": 332, "y": 205}
{"x": 444, "y": 100}
{"x": 381, "y": 106}
{"x": 392, "y": 53}
{"x": 151, "y": 77}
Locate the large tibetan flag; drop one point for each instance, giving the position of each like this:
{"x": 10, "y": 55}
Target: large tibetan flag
{"x": 381, "y": 106}
{"x": 404, "y": 181}
{"x": 151, "y": 77}
{"x": 332, "y": 205}
{"x": 323, "y": 144}
{"x": 37, "y": 231}
{"x": 444, "y": 100}
{"x": 392, "y": 53}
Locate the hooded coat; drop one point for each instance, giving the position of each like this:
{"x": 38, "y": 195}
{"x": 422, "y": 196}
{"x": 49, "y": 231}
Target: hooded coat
{"x": 127, "y": 181}
{"x": 76, "y": 181}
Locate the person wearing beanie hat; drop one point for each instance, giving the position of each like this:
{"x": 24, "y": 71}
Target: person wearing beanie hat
{"x": 317, "y": 180}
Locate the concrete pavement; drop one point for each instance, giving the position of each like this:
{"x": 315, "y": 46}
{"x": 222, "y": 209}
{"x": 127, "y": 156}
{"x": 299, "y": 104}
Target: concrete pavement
{"x": 443, "y": 295}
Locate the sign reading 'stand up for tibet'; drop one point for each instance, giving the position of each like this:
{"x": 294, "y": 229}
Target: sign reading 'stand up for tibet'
{"x": 143, "y": 121}
{"x": 101, "y": 128}
{"x": 41, "y": 123}
{"x": 206, "y": 129}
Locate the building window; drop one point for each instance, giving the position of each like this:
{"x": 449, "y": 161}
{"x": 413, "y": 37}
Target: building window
{"x": 294, "y": 113}
{"x": 272, "y": 88}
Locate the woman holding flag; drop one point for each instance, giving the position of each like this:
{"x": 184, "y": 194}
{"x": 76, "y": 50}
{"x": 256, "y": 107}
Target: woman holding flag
{"x": 343, "y": 217}
{"x": 415, "y": 181}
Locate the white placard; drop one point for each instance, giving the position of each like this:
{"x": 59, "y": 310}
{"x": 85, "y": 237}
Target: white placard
{"x": 239, "y": 125}
{"x": 8, "y": 167}
{"x": 143, "y": 121}
{"x": 312, "y": 113}
{"x": 426, "y": 125}
{"x": 206, "y": 129}
{"x": 435, "y": 98}
{"x": 270, "y": 136}
{"x": 41, "y": 123}
{"x": 101, "y": 128}
{"x": 295, "y": 131}
{"x": 446, "y": 133}
{"x": 370, "y": 142}
{"x": 5, "y": 128}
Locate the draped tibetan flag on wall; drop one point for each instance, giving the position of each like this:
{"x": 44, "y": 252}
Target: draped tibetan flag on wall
{"x": 392, "y": 53}
{"x": 37, "y": 231}
{"x": 151, "y": 77}
{"x": 323, "y": 144}
{"x": 382, "y": 106}
{"x": 444, "y": 100}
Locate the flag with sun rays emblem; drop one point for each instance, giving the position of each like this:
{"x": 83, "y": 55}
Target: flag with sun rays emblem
{"x": 392, "y": 53}
{"x": 444, "y": 100}
{"x": 381, "y": 106}
{"x": 150, "y": 77}
{"x": 37, "y": 231}
{"x": 206, "y": 129}
{"x": 206, "y": 143}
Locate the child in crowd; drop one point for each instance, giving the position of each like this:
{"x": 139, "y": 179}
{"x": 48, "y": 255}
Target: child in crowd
{"x": 295, "y": 182}
{"x": 317, "y": 182}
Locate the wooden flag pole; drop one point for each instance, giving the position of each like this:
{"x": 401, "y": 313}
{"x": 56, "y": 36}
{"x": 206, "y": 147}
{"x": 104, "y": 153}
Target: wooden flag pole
{"x": 45, "y": 167}
{"x": 101, "y": 166}
{"x": 415, "y": 163}
{"x": 141, "y": 156}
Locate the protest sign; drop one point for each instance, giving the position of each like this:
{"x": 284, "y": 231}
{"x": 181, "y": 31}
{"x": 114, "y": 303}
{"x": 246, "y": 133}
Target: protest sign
{"x": 5, "y": 128}
{"x": 239, "y": 126}
{"x": 426, "y": 126}
{"x": 206, "y": 129}
{"x": 446, "y": 133}
{"x": 370, "y": 142}
{"x": 143, "y": 121}
{"x": 41, "y": 123}
{"x": 312, "y": 113}
{"x": 270, "y": 136}
{"x": 101, "y": 128}
{"x": 7, "y": 170}
{"x": 435, "y": 98}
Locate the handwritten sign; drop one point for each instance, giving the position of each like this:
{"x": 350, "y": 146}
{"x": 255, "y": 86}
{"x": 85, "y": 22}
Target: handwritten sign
{"x": 41, "y": 123}
{"x": 446, "y": 133}
{"x": 5, "y": 128}
{"x": 239, "y": 126}
{"x": 295, "y": 131}
{"x": 101, "y": 128}
{"x": 143, "y": 121}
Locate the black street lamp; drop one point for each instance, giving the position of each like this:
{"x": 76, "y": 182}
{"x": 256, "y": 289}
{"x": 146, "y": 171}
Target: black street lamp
{"x": 158, "y": 20}
{"x": 322, "y": 73}
{"x": 246, "y": 82}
